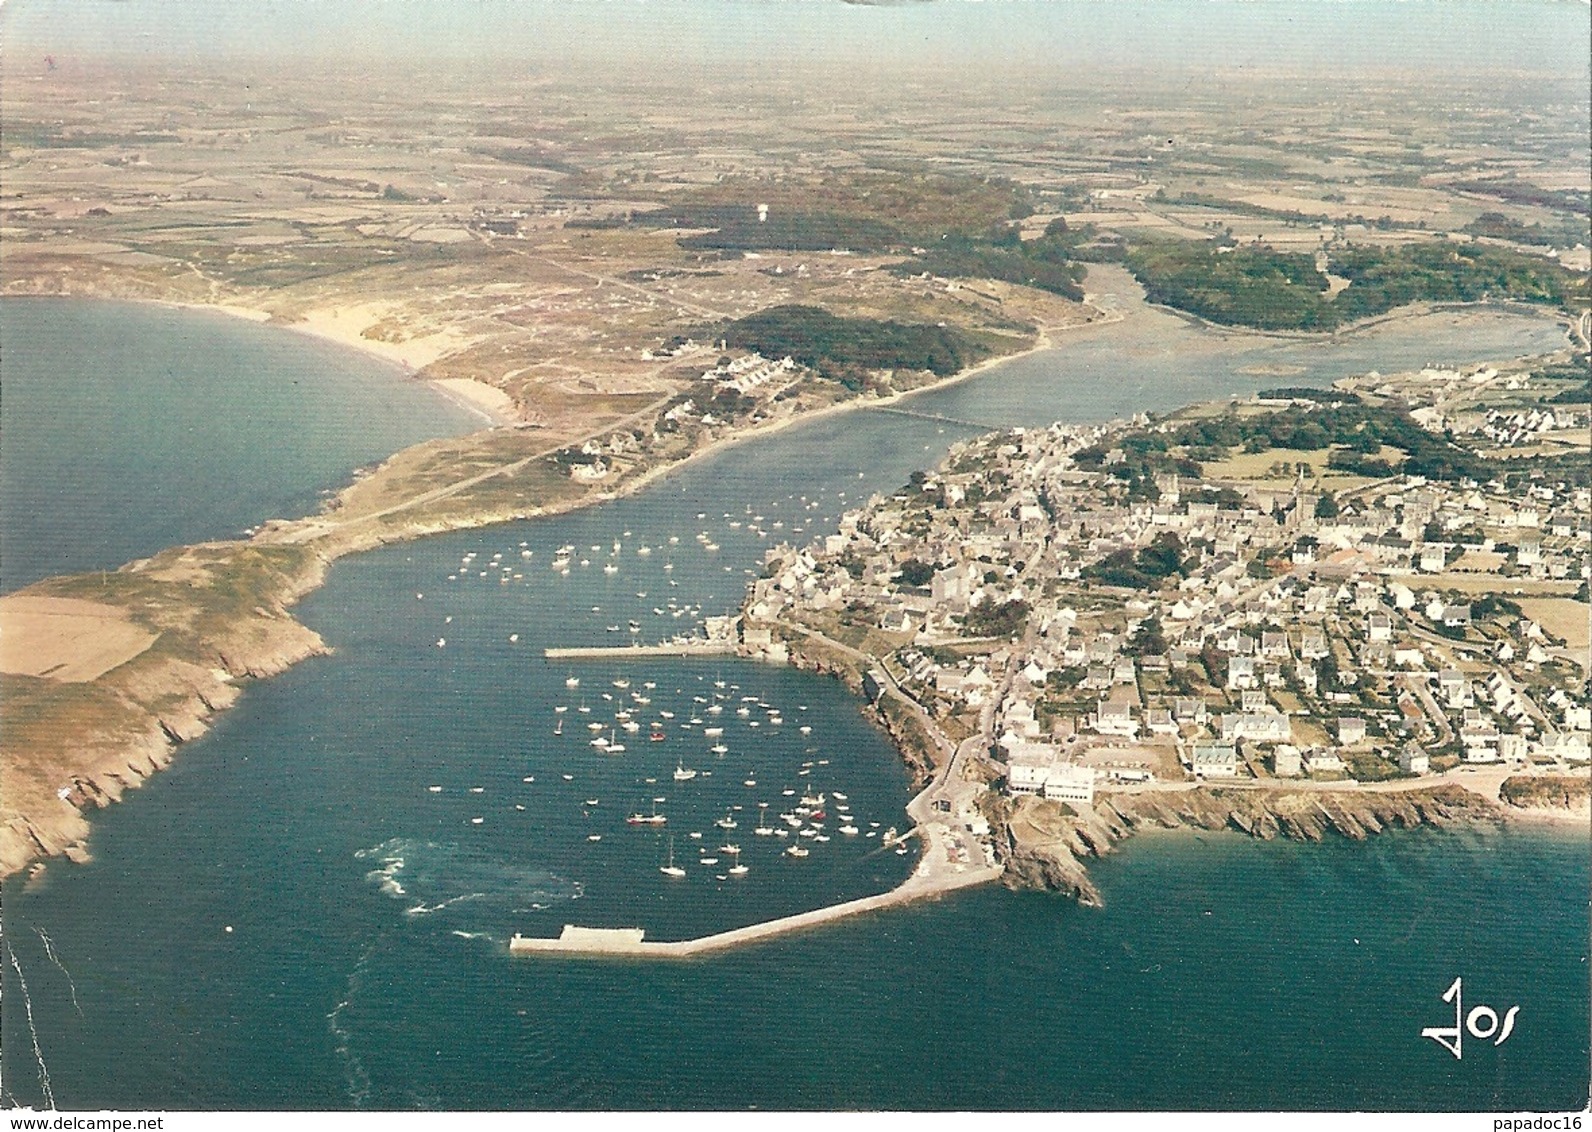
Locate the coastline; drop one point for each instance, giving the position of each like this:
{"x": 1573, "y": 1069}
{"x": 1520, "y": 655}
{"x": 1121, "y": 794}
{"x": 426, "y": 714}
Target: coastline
{"x": 323, "y": 540}
{"x": 139, "y": 739}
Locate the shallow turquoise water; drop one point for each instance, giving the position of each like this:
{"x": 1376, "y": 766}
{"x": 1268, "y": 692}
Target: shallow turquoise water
{"x": 366, "y": 964}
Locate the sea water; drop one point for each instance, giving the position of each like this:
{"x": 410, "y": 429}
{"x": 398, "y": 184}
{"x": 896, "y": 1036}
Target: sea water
{"x": 310, "y": 908}
{"x": 130, "y": 427}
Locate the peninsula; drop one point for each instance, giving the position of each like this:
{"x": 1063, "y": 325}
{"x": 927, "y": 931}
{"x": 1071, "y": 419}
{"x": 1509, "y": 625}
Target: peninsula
{"x": 624, "y": 288}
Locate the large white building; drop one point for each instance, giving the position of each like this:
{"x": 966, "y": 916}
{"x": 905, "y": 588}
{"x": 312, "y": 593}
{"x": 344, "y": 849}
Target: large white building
{"x": 1035, "y": 768}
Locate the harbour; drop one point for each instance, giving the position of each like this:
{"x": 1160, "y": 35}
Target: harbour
{"x": 298, "y": 811}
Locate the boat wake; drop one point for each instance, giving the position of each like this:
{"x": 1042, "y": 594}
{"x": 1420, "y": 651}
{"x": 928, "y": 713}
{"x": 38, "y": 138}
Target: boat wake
{"x": 38, "y": 1054}
{"x": 459, "y": 883}
{"x": 356, "y": 1079}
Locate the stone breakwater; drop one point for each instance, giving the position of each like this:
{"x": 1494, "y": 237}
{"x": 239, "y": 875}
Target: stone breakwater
{"x": 1044, "y": 844}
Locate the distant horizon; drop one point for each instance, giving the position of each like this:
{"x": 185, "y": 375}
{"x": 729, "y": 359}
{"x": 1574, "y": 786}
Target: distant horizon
{"x": 1421, "y": 38}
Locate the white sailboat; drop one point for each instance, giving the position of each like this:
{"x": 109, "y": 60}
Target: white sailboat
{"x": 683, "y": 773}
{"x": 671, "y": 869}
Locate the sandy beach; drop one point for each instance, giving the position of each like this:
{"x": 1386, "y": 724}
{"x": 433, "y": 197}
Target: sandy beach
{"x": 490, "y": 402}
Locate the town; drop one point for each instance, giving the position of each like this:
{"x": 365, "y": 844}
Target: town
{"x": 1084, "y": 608}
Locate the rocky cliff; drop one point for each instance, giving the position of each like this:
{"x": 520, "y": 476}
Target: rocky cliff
{"x": 218, "y": 619}
{"x": 1044, "y": 844}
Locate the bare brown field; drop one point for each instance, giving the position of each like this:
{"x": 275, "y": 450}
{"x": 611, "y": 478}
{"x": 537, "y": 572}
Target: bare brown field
{"x": 1565, "y": 618}
{"x": 66, "y": 639}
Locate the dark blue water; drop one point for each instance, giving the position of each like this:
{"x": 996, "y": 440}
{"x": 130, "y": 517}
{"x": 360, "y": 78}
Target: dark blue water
{"x": 129, "y": 428}
{"x": 366, "y": 962}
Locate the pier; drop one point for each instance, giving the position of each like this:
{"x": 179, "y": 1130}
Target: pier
{"x": 631, "y": 942}
{"x": 639, "y": 652}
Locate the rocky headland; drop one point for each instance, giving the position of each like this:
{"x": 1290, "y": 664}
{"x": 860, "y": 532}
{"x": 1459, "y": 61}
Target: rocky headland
{"x": 1044, "y": 844}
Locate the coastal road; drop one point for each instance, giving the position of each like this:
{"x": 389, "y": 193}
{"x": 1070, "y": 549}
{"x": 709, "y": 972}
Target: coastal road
{"x": 941, "y": 830}
{"x": 321, "y": 526}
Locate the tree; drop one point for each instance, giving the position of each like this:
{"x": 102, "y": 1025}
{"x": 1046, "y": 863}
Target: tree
{"x": 1326, "y": 507}
{"x": 915, "y": 572}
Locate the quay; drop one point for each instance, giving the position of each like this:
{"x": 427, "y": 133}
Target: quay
{"x": 631, "y": 942}
{"x": 638, "y": 652}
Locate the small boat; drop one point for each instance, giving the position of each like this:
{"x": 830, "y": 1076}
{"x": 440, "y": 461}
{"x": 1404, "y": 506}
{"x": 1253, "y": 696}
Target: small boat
{"x": 591, "y": 801}
{"x": 671, "y": 869}
{"x": 559, "y": 728}
{"x": 718, "y": 748}
{"x": 594, "y": 837}
{"x": 572, "y": 682}
{"x": 713, "y": 732}
{"x": 797, "y": 851}
{"x": 726, "y": 822}
{"x": 751, "y": 782}
{"x": 610, "y": 568}
{"x": 849, "y": 830}
{"x": 646, "y": 819}
{"x": 707, "y": 860}
{"x": 434, "y": 789}
{"x": 683, "y": 773}
{"x": 806, "y": 730}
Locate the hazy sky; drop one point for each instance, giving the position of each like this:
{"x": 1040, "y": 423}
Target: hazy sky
{"x": 1546, "y": 35}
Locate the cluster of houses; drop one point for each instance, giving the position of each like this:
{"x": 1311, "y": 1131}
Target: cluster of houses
{"x": 1525, "y": 426}
{"x": 750, "y": 372}
{"x": 1286, "y": 643}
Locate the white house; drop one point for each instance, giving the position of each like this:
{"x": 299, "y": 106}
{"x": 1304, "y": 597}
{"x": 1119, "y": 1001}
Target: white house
{"x": 1215, "y": 760}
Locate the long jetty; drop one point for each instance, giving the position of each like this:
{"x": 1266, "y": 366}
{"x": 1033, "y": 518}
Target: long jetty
{"x": 638, "y": 652}
{"x": 632, "y": 942}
